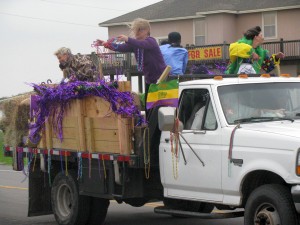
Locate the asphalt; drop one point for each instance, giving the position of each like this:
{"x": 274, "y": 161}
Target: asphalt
{"x": 14, "y": 204}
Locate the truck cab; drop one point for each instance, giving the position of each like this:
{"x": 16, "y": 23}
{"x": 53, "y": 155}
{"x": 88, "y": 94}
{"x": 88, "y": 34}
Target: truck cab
{"x": 237, "y": 146}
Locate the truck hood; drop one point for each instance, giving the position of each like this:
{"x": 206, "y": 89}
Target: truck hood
{"x": 285, "y": 128}
{"x": 275, "y": 135}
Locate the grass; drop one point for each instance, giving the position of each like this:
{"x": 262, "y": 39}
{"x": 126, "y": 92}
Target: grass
{"x": 3, "y": 159}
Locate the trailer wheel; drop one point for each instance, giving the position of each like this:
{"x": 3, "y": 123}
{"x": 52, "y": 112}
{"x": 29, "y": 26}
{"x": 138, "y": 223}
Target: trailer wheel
{"x": 68, "y": 206}
{"x": 270, "y": 204}
{"x": 98, "y": 211}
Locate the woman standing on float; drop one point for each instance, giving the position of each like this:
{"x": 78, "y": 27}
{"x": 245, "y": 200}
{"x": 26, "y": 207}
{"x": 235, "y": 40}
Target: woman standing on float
{"x": 147, "y": 53}
{"x": 247, "y": 56}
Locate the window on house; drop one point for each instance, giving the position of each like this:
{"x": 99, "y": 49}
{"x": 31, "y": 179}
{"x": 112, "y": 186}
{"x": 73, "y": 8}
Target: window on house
{"x": 270, "y": 24}
{"x": 199, "y": 32}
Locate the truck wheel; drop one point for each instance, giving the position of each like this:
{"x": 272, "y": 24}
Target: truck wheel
{"x": 98, "y": 211}
{"x": 270, "y": 204}
{"x": 68, "y": 206}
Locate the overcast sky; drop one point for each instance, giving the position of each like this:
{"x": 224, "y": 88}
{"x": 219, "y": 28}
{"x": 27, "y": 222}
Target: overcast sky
{"x": 31, "y": 30}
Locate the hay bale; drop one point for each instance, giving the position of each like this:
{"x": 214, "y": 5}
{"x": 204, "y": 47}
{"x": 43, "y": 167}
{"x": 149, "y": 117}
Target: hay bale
{"x": 15, "y": 119}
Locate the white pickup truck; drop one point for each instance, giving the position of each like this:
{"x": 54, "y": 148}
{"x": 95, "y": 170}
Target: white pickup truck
{"x": 239, "y": 146}
{"x": 234, "y": 144}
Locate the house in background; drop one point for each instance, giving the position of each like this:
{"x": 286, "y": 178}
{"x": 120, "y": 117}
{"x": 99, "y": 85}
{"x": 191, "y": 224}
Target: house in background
{"x": 204, "y": 23}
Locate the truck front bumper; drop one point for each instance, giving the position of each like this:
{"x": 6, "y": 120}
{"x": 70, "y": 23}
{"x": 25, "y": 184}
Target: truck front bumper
{"x": 295, "y": 190}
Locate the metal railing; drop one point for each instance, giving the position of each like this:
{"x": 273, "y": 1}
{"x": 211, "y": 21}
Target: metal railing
{"x": 291, "y": 49}
{"x": 125, "y": 63}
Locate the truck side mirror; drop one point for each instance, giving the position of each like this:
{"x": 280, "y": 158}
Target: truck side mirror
{"x": 166, "y": 118}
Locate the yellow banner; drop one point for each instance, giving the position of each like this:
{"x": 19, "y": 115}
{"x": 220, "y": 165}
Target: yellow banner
{"x": 205, "y": 53}
{"x": 162, "y": 94}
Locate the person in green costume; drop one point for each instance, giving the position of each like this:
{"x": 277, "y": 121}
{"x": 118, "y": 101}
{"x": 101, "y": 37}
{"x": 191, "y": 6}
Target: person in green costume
{"x": 248, "y": 57}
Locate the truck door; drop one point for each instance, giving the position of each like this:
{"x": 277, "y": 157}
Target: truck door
{"x": 195, "y": 171}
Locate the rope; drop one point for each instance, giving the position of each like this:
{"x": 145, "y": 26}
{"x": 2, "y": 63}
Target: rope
{"x": 140, "y": 59}
{"x": 99, "y": 168}
{"x": 25, "y": 173}
{"x": 61, "y": 163}
{"x": 79, "y": 172}
{"x": 90, "y": 165}
{"x": 231, "y": 148}
{"x": 21, "y": 165}
{"x": 66, "y": 162}
{"x": 175, "y": 137}
{"x": 49, "y": 168}
{"x": 147, "y": 151}
{"x": 104, "y": 169}
{"x": 20, "y": 162}
{"x": 34, "y": 161}
{"x": 231, "y": 141}
{"x": 29, "y": 160}
{"x": 174, "y": 159}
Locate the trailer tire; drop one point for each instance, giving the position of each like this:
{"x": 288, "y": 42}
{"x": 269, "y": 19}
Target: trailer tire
{"x": 98, "y": 211}
{"x": 272, "y": 203}
{"x": 68, "y": 206}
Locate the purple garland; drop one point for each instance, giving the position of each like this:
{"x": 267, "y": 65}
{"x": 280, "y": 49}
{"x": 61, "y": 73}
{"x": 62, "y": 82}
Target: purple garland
{"x": 216, "y": 68}
{"x": 52, "y": 101}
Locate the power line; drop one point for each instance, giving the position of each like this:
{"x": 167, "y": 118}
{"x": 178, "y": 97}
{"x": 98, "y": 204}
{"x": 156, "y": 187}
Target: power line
{"x": 87, "y": 6}
{"x": 48, "y": 20}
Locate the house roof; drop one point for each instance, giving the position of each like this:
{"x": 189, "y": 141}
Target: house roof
{"x": 184, "y": 9}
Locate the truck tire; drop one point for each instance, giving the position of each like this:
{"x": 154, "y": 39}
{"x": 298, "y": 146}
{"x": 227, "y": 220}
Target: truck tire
{"x": 98, "y": 211}
{"x": 270, "y": 204}
{"x": 68, "y": 206}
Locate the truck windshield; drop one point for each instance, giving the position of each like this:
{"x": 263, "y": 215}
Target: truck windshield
{"x": 252, "y": 103}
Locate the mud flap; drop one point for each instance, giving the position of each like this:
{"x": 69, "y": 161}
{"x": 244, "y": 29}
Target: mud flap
{"x": 39, "y": 194}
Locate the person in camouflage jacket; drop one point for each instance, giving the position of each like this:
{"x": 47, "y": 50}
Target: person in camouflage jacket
{"x": 76, "y": 67}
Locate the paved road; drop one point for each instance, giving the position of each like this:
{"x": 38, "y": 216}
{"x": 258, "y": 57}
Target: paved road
{"x": 13, "y": 208}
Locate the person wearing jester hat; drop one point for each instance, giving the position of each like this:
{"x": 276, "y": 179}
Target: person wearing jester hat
{"x": 147, "y": 52}
{"x": 247, "y": 56}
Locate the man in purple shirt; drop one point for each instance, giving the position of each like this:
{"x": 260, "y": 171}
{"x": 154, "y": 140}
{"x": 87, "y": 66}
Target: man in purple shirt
{"x": 147, "y": 52}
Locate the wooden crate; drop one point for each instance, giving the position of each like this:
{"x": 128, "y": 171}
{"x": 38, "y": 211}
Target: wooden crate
{"x": 72, "y": 127}
{"x": 42, "y": 144}
{"x": 109, "y": 134}
{"x": 90, "y": 125}
{"x": 102, "y": 134}
{"x": 125, "y": 126}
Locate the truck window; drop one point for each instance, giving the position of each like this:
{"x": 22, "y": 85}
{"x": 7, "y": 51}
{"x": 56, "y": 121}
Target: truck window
{"x": 271, "y": 100}
{"x": 195, "y": 110}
